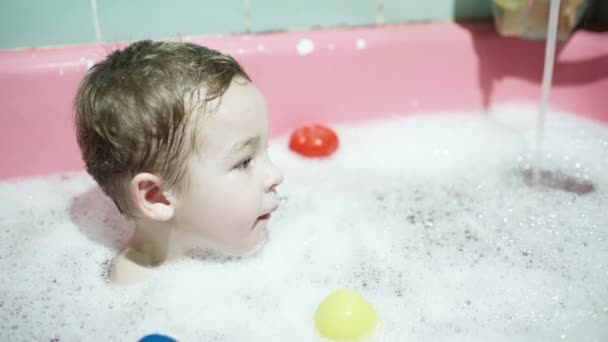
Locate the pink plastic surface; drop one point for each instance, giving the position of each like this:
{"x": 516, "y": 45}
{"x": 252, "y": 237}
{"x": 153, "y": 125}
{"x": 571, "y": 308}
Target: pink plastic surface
{"x": 351, "y": 74}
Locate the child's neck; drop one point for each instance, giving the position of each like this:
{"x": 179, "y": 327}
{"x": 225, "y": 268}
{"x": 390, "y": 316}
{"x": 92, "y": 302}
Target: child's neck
{"x": 152, "y": 244}
{"x": 156, "y": 243}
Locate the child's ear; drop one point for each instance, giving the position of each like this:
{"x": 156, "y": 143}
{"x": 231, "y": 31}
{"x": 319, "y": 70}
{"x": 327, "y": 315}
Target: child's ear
{"x": 149, "y": 199}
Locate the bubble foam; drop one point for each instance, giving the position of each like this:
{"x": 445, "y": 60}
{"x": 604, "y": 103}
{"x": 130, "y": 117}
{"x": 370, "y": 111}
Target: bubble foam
{"x": 426, "y": 216}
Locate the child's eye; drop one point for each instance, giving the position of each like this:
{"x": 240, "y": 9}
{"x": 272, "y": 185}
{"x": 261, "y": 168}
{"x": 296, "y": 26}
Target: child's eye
{"x": 243, "y": 164}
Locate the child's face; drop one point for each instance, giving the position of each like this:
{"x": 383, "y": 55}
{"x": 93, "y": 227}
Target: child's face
{"x": 232, "y": 182}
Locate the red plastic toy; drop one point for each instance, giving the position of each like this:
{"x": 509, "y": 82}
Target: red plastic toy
{"x": 314, "y": 141}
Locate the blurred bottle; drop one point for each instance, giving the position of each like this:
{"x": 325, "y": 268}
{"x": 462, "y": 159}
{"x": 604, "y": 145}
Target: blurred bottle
{"x": 528, "y": 18}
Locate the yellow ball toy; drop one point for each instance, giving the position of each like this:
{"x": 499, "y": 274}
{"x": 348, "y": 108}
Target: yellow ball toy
{"x": 345, "y": 315}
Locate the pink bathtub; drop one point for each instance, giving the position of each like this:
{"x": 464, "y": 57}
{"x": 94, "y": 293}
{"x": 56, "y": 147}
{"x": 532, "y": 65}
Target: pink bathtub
{"x": 324, "y": 76}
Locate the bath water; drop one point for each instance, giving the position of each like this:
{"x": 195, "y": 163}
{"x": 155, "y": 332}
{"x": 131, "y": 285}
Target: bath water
{"x": 426, "y": 216}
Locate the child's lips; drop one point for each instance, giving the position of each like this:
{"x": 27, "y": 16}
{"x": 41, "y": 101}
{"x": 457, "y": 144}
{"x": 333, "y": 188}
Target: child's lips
{"x": 268, "y": 214}
{"x": 264, "y": 217}
{"x": 259, "y": 220}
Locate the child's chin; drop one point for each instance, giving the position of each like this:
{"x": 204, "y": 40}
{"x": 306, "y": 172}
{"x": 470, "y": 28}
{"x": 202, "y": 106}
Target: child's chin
{"x": 261, "y": 238}
{"x": 258, "y": 242}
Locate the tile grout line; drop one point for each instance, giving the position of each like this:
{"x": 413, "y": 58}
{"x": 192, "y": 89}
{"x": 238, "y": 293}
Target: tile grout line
{"x": 96, "y": 25}
{"x": 379, "y": 12}
{"x": 247, "y": 8}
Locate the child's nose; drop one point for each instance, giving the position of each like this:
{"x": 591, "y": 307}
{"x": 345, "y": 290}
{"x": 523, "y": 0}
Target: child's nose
{"x": 274, "y": 178}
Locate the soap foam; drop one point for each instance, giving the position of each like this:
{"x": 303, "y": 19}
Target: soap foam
{"x": 426, "y": 216}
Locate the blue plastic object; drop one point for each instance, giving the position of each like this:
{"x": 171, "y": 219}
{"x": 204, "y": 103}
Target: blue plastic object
{"x": 156, "y": 338}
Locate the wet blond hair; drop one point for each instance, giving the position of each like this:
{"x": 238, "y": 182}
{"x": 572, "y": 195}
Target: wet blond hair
{"x": 134, "y": 111}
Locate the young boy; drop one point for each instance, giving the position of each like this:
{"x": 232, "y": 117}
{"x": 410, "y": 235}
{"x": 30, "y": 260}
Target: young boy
{"x": 176, "y": 134}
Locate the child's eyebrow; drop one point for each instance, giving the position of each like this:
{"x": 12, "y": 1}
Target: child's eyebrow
{"x": 251, "y": 141}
